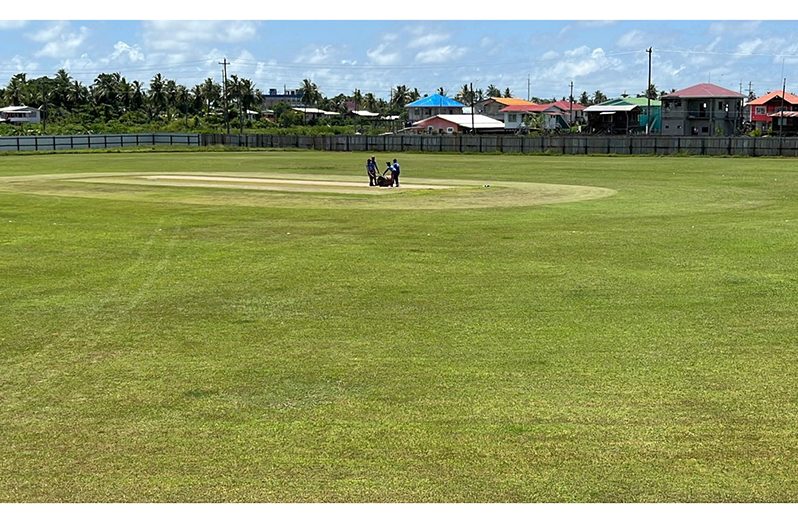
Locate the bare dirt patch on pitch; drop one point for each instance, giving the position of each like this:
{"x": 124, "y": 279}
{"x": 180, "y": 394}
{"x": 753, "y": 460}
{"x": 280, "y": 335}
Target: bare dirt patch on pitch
{"x": 301, "y": 190}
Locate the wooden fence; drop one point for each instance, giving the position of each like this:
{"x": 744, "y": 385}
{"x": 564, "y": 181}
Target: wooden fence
{"x": 644, "y": 145}
{"x": 93, "y": 141}
{"x": 648, "y": 145}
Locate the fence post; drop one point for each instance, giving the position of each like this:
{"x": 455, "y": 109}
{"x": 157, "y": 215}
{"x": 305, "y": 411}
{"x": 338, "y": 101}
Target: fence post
{"x": 461, "y": 143}
{"x": 71, "y": 142}
{"x": 88, "y": 140}
{"x": 728, "y": 149}
{"x": 153, "y": 139}
{"x": 53, "y": 143}
{"x": 36, "y": 144}
{"x": 18, "y": 149}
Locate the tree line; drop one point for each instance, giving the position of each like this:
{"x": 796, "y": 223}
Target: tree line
{"x": 117, "y": 104}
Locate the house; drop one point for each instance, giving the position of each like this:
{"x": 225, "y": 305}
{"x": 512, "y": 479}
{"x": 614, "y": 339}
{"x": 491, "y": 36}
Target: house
{"x": 760, "y": 110}
{"x": 604, "y": 117}
{"x": 613, "y": 119}
{"x": 20, "y": 114}
{"x": 292, "y": 97}
{"x": 311, "y": 113}
{"x": 457, "y": 123}
{"x": 557, "y": 115}
{"x": 702, "y": 110}
{"x": 430, "y": 106}
{"x": 492, "y": 106}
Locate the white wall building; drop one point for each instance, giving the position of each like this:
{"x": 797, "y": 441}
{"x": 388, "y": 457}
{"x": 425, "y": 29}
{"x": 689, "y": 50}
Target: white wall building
{"x": 20, "y": 114}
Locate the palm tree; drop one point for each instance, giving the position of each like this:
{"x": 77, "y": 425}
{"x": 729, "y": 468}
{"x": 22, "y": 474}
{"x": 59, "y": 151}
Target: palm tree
{"x": 61, "y": 84}
{"x": 137, "y": 95}
{"x": 170, "y": 93}
{"x": 182, "y": 100}
{"x": 211, "y": 94}
{"x": 465, "y": 96}
{"x": 508, "y": 93}
{"x": 493, "y": 91}
{"x": 400, "y": 97}
{"x": 156, "y": 94}
{"x": 76, "y": 95}
{"x": 310, "y": 93}
{"x": 125, "y": 94}
{"x": 16, "y": 92}
{"x": 357, "y": 97}
{"x": 104, "y": 93}
{"x": 370, "y": 102}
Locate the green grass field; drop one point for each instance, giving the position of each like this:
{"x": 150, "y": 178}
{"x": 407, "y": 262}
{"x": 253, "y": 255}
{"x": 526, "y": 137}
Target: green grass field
{"x": 630, "y": 337}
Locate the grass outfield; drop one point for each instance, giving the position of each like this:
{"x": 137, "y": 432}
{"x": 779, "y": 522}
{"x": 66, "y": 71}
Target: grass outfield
{"x": 168, "y": 342}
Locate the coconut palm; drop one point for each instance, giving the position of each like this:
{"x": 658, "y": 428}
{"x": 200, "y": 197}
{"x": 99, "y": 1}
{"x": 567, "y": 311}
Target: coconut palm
{"x": 400, "y": 97}
{"x": 310, "y": 93}
{"x": 156, "y": 95}
{"x": 357, "y": 98}
{"x": 16, "y": 91}
{"x": 493, "y": 91}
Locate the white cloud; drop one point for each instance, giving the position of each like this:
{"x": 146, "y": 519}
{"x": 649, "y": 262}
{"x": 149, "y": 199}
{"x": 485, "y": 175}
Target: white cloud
{"x": 61, "y": 44}
{"x": 8, "y": 25}
{"x": 440, "y": 54}
{"x": 633, "y": 38}
{"x": 18, "y": 64}
{"x": 749, "y": 46}
{"x": 581, "y": 62}
{"x": 49, "y": 33}
{"x": 170, "y": 35}
{"x": 735, "y": 27}
{"x": 427, "y": 40}
{"x": 132, "y": 52}
{"x": 317, "y": 55}
{"x": 383, "y": 54}
{"x": 550, "y": 55}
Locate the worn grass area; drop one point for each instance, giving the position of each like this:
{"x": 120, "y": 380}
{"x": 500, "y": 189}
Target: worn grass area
{"x": 203, "y": 344}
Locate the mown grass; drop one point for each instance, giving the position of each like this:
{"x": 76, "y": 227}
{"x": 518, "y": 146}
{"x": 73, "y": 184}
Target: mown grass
{"x": 640, "y": 347}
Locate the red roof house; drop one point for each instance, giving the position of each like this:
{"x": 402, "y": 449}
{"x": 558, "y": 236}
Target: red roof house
{"x": 558, "y": 114}
{"x": 761, "y": 110}
{"x": 702, "y": 110}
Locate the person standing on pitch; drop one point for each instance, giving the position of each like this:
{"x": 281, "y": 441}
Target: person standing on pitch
{"x": 395, "y": 170}
{"x": 371, "y": 170}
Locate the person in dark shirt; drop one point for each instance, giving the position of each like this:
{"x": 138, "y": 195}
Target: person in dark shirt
{"x": 389, "y": 171}
{"x": 395, "y": 170}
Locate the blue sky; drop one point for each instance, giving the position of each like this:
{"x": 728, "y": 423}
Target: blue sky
{"x": 373, "y": 55}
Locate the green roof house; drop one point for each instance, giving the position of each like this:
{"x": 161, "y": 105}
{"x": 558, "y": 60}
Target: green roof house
{"x": 622, "y": 115}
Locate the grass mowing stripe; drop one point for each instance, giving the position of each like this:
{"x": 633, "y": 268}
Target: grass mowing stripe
{"x": 169, "y": 345}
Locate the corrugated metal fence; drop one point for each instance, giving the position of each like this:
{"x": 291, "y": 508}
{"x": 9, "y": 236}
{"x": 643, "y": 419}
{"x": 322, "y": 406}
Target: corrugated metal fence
{"x": 664, "y": 145}
{"x": 93, "y": 141}
{"x": 709, "y": 146}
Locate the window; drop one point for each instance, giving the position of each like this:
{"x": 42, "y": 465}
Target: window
{"x": 720, "y": 106}
{"x": 449, "y": 130}
{"x": 512, "y": 117}
{"x": 430, "y": 128}
{"x": 705, "y": 130}
{"x": 761, "y": 110}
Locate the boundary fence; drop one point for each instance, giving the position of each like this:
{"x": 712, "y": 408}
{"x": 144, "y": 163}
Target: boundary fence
{"x": 646, "y": 145}
{"x": 579, "y": 145}
{"x": 93, "y": 141}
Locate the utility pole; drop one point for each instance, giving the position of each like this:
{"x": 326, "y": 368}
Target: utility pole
{"x": 781, "y": 112}
{"x": 571, "y": 107}
{"x": 224, "y": 93}
{"x": 528, "y": 88}
{"x": 648, "y": 94}
{"x": 471, "y": 94}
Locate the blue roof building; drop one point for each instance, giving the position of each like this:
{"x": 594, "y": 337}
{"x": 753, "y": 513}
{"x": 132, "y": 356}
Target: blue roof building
{"x": 432, "y": 105}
